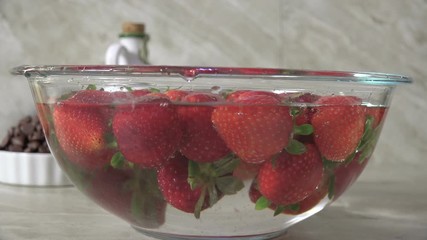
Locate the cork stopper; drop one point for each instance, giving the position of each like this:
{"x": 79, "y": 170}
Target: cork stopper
{"x": 132, "y": 28}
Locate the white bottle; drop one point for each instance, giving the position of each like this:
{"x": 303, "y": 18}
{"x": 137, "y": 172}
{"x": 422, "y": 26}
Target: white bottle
{"x": 131, "y": 49}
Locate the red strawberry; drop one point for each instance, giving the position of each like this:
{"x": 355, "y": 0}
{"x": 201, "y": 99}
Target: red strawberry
{"x": 302, "y": 103}
{"x": 305, "y": 98}
{"x": 311, "y": 201}
{"x": 107, "y": 188}
{"x": 91, "y": 97}
{"x": 346, "y": 175}
{"x": 201, "y": 142}
{"x": 306, "y": 113}
{"x": 140, "y": 92}
{"x": 291, "y": 178}
{"x": 338, "y": 126}
{"x": 303, "y": 206}
{"x": 254, "y": 126}
{"x": 258, "y": 97}
{"x": 254, "y": 193}
{"x": 147, "y": 131}
{"x": 192, "y": 187}
{"x": 244, "y": 94}
{"x": 148, "y": 204}
{"x": 133, "y": 197}
{"x": 82, "y": 126}
{"x": 172, "y": 179}
{"x": 231, "y": 97}
{"x": 176, "y": 95}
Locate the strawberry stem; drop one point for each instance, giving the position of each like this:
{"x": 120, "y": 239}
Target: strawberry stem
{"x": 214, "y": 179}
{"x": 331, "y": 187}
{"x": 292, "y": 207}
{"x": 213, "y": 194}
{"x": 154, "y": 90}
{"x": 349, "y": 159}
{"x": 118, "y": 160}
{"x": 193, "y": 174}
{"x": 91, "y": 87}
{"x": 225, "y": 165}
{"x": 295, "y": 111}
{"x": 367, "y": 134}
{"x": 110, "y": 140}
{"x": 330, "y": 165}
{"x": 279, "y": 210}
{"x": 229, "y": 184}
{"x": 370, "y": 137}
{"x": 200, "y": 203}
{"x": 295, "y": 147}
{"x": 262, "y": 203}
{"x": 304, "y": 129}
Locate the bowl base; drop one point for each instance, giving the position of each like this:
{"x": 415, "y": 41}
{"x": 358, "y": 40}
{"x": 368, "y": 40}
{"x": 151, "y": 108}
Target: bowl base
{"x": 168, "y": 236}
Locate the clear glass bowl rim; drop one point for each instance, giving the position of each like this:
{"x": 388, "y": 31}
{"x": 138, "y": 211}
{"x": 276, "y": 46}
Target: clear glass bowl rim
{"x": 192, "y": 72}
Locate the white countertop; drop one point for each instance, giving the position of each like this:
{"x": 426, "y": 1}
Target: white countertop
{"x": 369, "y": 210}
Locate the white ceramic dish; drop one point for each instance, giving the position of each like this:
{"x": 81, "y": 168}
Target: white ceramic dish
{"x": 31, "y": 169}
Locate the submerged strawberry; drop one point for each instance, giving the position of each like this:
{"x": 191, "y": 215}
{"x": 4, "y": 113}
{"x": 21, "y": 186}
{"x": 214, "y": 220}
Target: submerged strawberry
{"x": 305, "y": 112}
{"x": 201, "y": 142}
{"x": 338, "y": 124}
{"x": 311, "y": 201}
{"x": 176, "y": 95}
{"x": 254, "y": 125}
{"x": 131, "y": 194}
{"x": 148, "y": 207}
{"x": 291, "y": 178}
{"x": 107, "y": 188}
{"x": 147, "y": 130}
{"x": 346, "y": 174}
{"x": 294, "y": 209}
{"x": 302, "y": 111}
{"x": 172, "y": 179}
{"x": 82, "y": 128}
{"x": 192, "y": 187}
{"x": 241, "y": 95}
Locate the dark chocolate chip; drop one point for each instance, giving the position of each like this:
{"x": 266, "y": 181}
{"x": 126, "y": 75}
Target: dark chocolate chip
{"x": 36, "y": 136}
{"x": 35, "y": 119}
{"x": 5, "y": 141}
{"x": 26, "y": 119}
{"x": 18, "y": 140}
{"x": 27, "y": 128}
{"x": 28, "y": 150}
{"x": 33, "y": 145}
{"x": 17, "y": 132}
{"x": 26, "y": 136}
{"x": 11, "y": 131}
{"x": 43, "y": 149}
{"x": 14, "y": 148}
{"x": 39, "y": 128}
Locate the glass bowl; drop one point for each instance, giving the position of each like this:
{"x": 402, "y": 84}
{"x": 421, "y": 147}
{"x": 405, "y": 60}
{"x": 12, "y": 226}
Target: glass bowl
{"x": 207, "y": 152}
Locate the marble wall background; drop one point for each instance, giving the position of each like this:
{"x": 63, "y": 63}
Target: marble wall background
{"x": 384, "y": 36}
